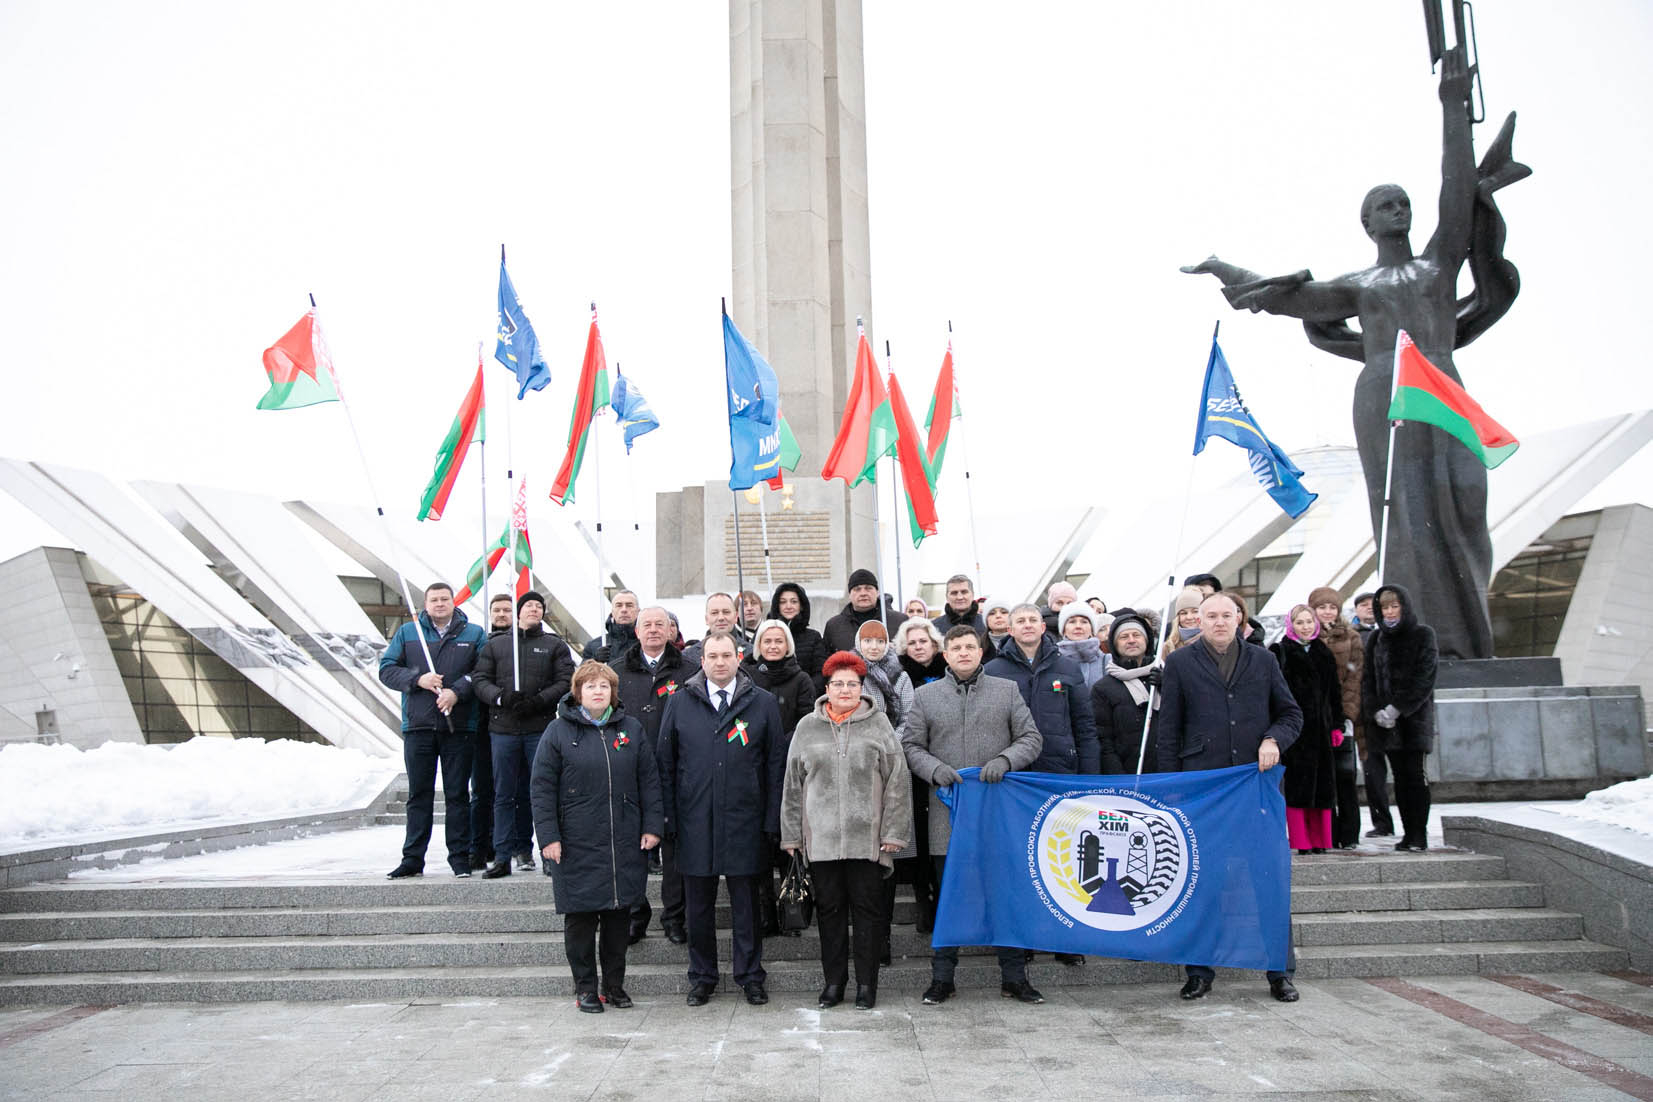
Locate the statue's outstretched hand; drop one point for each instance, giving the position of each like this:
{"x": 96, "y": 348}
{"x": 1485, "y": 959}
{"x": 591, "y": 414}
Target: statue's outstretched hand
{"x": 1207, "y": 265}
{"x": 1455, "y": 78}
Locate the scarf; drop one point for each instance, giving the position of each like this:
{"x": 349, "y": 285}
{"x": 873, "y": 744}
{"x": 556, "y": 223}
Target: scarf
{"x": 1132, "y": 680}
{"x": 1227, "y": 661}
{"x": 838, "y": 717}
{"x": 597, "y": 720}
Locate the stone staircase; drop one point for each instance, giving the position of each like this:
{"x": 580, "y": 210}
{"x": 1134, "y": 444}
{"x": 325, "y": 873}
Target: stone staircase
{"x": 212, "y": 941}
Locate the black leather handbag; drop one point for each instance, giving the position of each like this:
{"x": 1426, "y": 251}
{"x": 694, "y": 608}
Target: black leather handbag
{"x": 795, "y": 905}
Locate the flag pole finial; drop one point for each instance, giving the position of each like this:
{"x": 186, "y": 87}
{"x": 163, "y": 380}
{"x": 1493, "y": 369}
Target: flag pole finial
{"x": 723, "y": 306}
{"x": 312, "y": 300}
{"x": 502, "y": 252}
{"x": 1215, "y": 328}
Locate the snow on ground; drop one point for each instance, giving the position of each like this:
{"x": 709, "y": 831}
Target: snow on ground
{"x": 365, "y": 854}
{"x": 1628, "y": 805}
{"x": 54, "y": 794}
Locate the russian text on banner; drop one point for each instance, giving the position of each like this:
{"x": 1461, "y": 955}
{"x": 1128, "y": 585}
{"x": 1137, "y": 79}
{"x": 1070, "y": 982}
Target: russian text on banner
{"x": 1187, "y": 868}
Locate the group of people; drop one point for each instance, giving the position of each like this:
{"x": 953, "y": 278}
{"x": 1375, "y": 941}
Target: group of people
{"x": 768, "y": 738}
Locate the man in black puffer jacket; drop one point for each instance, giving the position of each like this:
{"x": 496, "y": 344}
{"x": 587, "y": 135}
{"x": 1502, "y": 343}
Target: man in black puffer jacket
{"x": 863, "y": 605}
{"x": 521, "y": 691}
{"x": 1119, "y": 699}
{"x": 790, "y": 605}
{"x": 964, "y": 608}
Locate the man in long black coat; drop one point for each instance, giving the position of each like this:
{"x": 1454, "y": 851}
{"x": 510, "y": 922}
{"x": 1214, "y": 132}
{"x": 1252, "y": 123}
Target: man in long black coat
{"x": 651, "y": 672}
{"x": 723, "y": 759}
{"x": 1225, "y": 704}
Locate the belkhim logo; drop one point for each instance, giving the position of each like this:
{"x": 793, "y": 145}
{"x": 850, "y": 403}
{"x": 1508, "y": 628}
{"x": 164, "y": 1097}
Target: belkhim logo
{"x": 1111, "y": 860}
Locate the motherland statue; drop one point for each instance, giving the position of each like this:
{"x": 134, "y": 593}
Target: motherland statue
{"x": 1438, "y": 544}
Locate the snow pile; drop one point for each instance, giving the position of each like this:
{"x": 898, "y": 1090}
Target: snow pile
{"x": 55, "y": 793}
{"x": 1628, "y": 804}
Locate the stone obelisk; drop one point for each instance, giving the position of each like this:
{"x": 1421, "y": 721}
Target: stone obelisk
{"x": 801, "y": 276}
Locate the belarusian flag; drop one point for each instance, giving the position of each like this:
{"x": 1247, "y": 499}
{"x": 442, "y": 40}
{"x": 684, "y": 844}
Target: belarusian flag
{"x": 1423, "y": 392}
{"x": 591, "y": 397}
{"x": 915, "y": 469}
{"x": 476, "y": 579}
{"x": 468, "y": 424}
{"x": 789, "y": 457}
{"x": 935, "y": 448}
{"x": 300, "y": 370}
{"x": 867, "y": 433}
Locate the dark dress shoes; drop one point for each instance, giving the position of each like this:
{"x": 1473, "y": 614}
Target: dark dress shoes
{"x": 1282, "y": 990}
{"x": 525, "y": 861}
{"x": 618, "y": 999}
{"x": 700, "y": 994}
{"x": 1072, "y": 960}
{"x": 756, "y": 993}
{"x": 637, "y": 934}
{"x": 402, "y": 872}
{"x": 588, "y": 1002}
{"x": 499, "y": 868}
{"x": 831, "y": 995}
{"x": 938, "y": 992}
{"x": 676, "y": 934}
{"x": 1197, "y": 987}
{"x": 866, "y": 996}
{"x": 1021, "y": 991}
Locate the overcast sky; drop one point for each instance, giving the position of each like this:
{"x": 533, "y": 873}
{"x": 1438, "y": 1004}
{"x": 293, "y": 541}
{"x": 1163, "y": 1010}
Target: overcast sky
{"x": 179, "y": 175}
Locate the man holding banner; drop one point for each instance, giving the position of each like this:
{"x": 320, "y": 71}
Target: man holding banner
{"x": 968, "y": 719}
{"x": 1226, "y": 704}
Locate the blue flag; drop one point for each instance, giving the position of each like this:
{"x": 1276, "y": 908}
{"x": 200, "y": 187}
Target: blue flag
{"x": 1187, "y": 868}
{"x": 754, "y": 401}
{"x": 1223, "y": 414}
{"x": 631, "y": 409}
{"x": 517, "y": 347}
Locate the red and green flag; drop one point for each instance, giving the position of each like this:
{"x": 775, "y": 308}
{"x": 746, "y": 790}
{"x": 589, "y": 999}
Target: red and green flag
{"x": 789, "y": 457}
{"x": 468, "y": 424}
{"x": 946, "y": 391}
{"x": 300, "y": 370}
{"x": 590, "y": 398}
{"x": 916, "y": 479}
{"x": 476, "y": 579}
{"x": 1423, "y": 392}
{"x": 867, "y": 432}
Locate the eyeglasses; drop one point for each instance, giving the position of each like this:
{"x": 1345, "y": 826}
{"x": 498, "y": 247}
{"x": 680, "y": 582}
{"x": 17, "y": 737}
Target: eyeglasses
{"x": 843, "y": 685}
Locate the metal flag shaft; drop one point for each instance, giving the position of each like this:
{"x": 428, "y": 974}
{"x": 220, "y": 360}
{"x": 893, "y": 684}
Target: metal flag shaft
{"x": 763, "y": 521}
{"x": 1389, "y": 463}
{"x": 969, "y": 495}
{"x": 482, "y": 468}
{"x": 510, "y": 483}
{"x": 1153, "y": 693}
{"x": 740, "y": 563}
{"x": 895, "y": 490}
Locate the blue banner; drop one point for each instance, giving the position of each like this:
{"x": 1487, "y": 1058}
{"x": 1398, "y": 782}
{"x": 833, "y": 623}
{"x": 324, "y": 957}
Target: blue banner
{"x": 754, "y": 401}
{"x": 1187, "y": 868}
{"x": 631, "y": 409}
{"x": 516, "y": 346}
{"x": 1223, "y": 414}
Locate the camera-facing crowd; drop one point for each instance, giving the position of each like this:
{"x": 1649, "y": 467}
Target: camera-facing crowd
{"x": 767, "y": 744}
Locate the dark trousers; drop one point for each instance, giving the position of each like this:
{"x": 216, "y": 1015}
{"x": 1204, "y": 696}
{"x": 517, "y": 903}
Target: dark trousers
{"x": 671, "y": 886}
{"x": 513, "y": 814}
{"x": 1411, "y": 794}
{"x": 840, "y": 888}
{"x": 482, "y": 793}
{"x": 926, "y": 886}
{"x": 422, "y": 749}
{"x": 1346, "y": 818}
{"x": 1377, "y": 791}
{"x": 700, "y": 907}
{"x": 1200, "y": 971}
{"x": 590, "y": 936}
{"x": 944, "y": 959}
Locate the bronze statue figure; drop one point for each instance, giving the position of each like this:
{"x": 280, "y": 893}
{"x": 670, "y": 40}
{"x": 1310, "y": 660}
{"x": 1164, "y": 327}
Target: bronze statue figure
{"x": 1439, "y": 546}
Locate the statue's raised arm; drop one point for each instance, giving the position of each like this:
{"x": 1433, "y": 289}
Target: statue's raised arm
{"x": 1449, "y": 247}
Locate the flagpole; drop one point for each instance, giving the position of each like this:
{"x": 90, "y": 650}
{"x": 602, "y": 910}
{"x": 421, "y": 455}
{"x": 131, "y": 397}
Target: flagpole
{"x": 597, "y": 478}
{"x": 763, "y": 520}
{"x": 373, "y": 490}
{"x": 740, "y": 564}
{"x": 1389, "y": 463}
{"x": 1153, "y": 693}
{"x": 877, "y": 526}
{"x": 482, "y": 465}
{"x": 964, "y": 447}
{"x": 511, "y": 481}
{"x": 895, "y": 490}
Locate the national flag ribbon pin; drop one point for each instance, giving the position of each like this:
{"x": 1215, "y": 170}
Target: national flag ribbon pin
{"x": 738, "y": 731}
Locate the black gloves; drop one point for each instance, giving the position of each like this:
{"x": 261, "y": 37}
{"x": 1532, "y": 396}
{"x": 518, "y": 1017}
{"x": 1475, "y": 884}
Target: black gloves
{"x": 945, "y": 775}
{"x": 508, "y": 700}
{"x": 526, "y": 704}
{"x": 993, "y": 772}
{"x": 1155, "y": 677}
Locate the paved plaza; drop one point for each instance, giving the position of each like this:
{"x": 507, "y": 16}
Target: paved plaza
{"x": 1575, "y": 1036}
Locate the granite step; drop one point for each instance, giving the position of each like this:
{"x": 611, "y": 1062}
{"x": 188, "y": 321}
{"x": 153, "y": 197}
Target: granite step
{"x": 1440, "y": 895}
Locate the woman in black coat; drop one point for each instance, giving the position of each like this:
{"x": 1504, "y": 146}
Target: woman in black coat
{"x": 1397, "y": 699}
{"x": 790, "y": 605}
{"x": 1311, "y": 775}
{"x": 596, "y": 796}
{"x": 773, "y": 666}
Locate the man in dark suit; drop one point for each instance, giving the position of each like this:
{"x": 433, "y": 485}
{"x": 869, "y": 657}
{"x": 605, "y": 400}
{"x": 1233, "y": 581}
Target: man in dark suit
{"x": 1225, "y": 704}
{"x": 723, "y": 759}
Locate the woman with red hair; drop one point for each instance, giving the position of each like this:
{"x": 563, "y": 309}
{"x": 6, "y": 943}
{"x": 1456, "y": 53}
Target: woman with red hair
{"x": 847, "y": 804}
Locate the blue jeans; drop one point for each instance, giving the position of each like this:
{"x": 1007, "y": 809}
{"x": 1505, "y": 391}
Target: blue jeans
{"x": 513, "y": 814}
{"x": 422, "y": 749}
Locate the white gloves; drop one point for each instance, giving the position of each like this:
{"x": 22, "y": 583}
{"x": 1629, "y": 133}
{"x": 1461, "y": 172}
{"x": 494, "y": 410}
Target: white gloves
{"x": 1386, "y": 716}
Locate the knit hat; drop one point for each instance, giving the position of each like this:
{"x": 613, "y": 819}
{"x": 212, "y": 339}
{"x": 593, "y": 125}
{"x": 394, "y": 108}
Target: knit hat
{"x": 1077, "y": 608}
{"x": 1325, "y": 595}
{"x": 1129, "y": 618}
{"x": 530, "y": 596}
{"x": 872, "y": 629}
{"x": 863, "y": 576}
{"x": 1190, "y": 597}
{"x": 988, "y": 604}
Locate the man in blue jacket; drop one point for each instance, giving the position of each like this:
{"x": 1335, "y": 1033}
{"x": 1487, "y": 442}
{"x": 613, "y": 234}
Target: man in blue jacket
{"x": 1225, "y": 703}
{"x": 722, "y": 761}
{"x": 438, "y": 717}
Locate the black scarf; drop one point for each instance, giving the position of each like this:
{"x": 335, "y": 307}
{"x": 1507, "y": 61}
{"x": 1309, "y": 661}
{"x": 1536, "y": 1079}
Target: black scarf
{"x": 1227, "y": 660}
